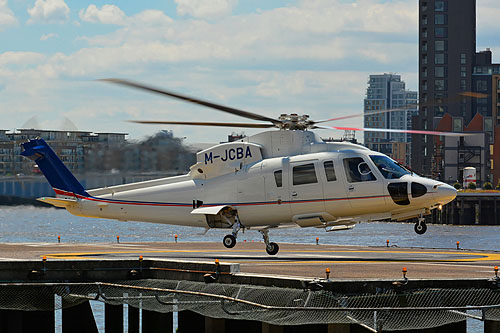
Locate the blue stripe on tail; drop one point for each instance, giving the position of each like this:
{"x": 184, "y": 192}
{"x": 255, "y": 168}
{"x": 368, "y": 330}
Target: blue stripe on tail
{"x": 52, "y": 167}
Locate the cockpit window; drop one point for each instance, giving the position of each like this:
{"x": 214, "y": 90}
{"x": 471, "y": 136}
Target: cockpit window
{"x": 357, "y": 170}
{"x": 389, "y": 168}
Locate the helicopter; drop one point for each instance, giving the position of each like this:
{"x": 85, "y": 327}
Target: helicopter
{"x": 280, "y": 178}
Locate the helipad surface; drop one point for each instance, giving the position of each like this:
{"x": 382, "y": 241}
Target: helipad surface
{"x": 345, "y": 262}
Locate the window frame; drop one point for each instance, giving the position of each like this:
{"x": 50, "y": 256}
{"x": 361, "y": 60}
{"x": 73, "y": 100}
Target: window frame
{"x": 280, "y": 173}
{"x": 440, "y": 19}
{"x": 458, "y": 124}
{"x": 440, "y": 85}
{"x": 439, "y": 59}
{"x": 331, "y": 168}
{"x": 440, "y": 8}
{"x": 440, "y": 46}
{"x": 350, "y": 173}
{"x": 481, "y": 85}
{"x": 440, "y": 71}
{"x": 441, "y": 32}
{"x": 297, "y": 181}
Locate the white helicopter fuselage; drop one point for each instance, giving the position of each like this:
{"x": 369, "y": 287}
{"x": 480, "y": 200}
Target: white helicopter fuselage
{"x": 272, "y": 179}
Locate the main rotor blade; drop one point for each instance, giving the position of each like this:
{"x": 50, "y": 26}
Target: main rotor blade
{"x": 358, "y": 115}
{"x": 453, "y": 99}
{"x": 393, "y": 130}
{"x": 199, "y": 123}
{"x": 434, "y": 102}
{"x": 227, "y": 109}
{"x": 472, "y": 94}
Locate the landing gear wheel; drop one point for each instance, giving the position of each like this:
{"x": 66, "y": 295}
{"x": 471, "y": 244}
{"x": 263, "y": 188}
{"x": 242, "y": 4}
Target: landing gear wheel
{"x": 229, "y": 241}
{"x": 272, "y": 249}
{"x": 420, "y": 227}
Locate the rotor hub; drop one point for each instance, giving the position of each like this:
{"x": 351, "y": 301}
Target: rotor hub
{"x": 294, "y": 121}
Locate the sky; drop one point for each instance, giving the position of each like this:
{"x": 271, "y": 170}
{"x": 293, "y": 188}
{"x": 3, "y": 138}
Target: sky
{"x": 264, "y": 56}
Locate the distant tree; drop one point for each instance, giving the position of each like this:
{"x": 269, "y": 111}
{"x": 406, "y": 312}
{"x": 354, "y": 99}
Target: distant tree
{"x": 457, "y": 186}
{"x": 487, "y": 186}
{"x": 472, "y": 186}
{"x": 160, "y": 152}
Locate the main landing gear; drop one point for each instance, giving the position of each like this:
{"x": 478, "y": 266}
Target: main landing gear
{"x": 420, "y": 226}
{"x": 229, "y": 241}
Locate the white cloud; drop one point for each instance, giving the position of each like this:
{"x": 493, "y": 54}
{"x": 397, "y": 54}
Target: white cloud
{"x": 336, "y": 84}
{"x": 150, "y": 18}
{"x": 312, "y": 31}
{"x": 333, "y": 16}
{"x": 488, "y": 12}
{"x": 108, "y": 14}
{"x": 49, "y": 11}
{"x": 7, "y": 17}
{"x": 48, "y": 36}
{"x": 21, "y": 58}
{"x": 205, "y": 8}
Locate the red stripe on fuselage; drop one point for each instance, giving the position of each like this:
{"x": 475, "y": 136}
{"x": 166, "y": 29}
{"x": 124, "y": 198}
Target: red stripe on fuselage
{"x": 61, "y": 192}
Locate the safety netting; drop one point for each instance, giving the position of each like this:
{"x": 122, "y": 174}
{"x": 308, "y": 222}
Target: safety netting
{"x": 387, "y": 309}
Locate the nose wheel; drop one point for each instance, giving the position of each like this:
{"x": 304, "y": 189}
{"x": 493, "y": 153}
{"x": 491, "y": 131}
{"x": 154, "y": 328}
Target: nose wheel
{"x": 229, "y": 241}
{"x": 271, "y": 248}
{"x": 420, "y": 227}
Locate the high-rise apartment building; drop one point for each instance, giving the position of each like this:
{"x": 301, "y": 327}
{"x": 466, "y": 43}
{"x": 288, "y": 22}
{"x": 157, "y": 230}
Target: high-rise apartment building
{"x": 388, "y": 92}
{"x": 458, "y": 90}
{"x": 447, "y": 46}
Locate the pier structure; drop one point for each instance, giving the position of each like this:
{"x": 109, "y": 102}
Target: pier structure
{"x": 470, "y": 208}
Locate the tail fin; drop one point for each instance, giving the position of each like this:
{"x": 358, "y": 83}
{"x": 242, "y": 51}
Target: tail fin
{"x": 58, "y": 175}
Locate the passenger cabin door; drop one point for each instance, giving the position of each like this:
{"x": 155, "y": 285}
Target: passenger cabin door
{"x": 306, "y": 188}
{"x": 276, "y": 189}
{"x": 364, "y": 190}
{"x": 334, "y": 187}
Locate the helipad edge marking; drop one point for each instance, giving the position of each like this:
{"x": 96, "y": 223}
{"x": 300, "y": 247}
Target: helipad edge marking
{"x": 478, "y": 256}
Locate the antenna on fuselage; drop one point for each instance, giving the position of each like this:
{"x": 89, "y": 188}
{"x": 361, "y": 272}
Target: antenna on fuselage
{"x": 349, "y": 136}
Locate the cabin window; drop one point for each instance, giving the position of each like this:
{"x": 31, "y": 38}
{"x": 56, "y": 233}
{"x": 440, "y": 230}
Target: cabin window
{"x": 357, "y": 170}
{"x": 329, "y": 171}
{"x": 304, "y": 174}
{"x": 278, "y": 177}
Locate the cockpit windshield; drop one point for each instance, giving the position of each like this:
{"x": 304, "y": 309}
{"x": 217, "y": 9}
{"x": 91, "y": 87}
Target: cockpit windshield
{"x": 389, "y": 168}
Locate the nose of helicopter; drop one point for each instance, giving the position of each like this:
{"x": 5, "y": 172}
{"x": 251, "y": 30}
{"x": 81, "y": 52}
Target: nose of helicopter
{"x": 444, "y": 193}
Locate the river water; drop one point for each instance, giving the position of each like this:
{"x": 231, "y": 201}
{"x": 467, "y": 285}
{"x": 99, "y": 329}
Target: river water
{"x": 32, "y": 224}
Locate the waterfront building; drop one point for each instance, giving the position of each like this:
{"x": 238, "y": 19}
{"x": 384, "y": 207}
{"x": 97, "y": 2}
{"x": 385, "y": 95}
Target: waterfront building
{"x": 70, "y": 146}
{"x": 65, "y": 143}
{"x": 457, "y": 82}
{"x": 388, "y": 92}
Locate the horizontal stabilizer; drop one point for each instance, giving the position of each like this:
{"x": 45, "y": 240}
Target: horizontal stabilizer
{"x": 58, "y": 202}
